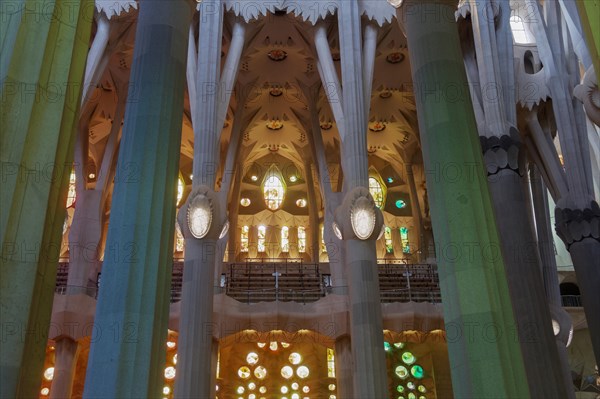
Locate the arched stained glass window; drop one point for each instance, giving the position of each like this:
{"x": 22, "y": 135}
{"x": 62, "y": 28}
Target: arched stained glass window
{"x": 72, "y": 194}
{"x": 387, "y": 235}
{"x": 285, "y": 239}
{"x": 377, "y": 192}
{"x": 244, "y": 239}
{"x": 273, "y": 189}
{"x": 262, "y": 238}
{"x": 301, "y": 239}
{"x": 404, "y": 240}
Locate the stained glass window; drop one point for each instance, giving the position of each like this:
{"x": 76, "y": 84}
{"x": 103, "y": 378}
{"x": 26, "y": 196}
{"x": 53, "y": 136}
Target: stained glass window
{"x": 179, "y": 241}
{"x": 285, "y": 239}
{"x": 404, "y": 240}
{"x": 387, "y": 235}
{"x": 262, "y": 237}
{"x": 376, "y": 190}
{"x": 244, "y": 239}
{"x": 301, "y": 239}
{"x": 330, "y": 363}
{"x": 179, "y": 190}
{"x": 323, "y": 246}
{"x": 71, "y": 195}
{"x": 273, "y": 189}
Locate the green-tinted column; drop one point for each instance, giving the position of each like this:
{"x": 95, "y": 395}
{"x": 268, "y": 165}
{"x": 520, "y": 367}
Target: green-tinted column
{"x": 589, "y": 11}
{"x": 40, "y": 99}
{"x": 485, "y": 355}
{"x": 127, "y": 353}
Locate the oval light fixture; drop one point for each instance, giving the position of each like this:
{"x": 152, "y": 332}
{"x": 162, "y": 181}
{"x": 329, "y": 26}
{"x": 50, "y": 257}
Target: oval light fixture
{"x": 362, "y": 218}
{"x": 199, "y": 216}
{"x": 336, "y": 230}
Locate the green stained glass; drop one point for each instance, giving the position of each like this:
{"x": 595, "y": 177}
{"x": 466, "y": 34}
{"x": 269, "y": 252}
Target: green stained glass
{"x": 412, "y": 396}
{"x": 399, "y": 345}
{"x": 401, "y": 372}
{"x": 400, "y": 388}
{"x": 417, "y": 371}
{"x": 400, "y": 204}
{"x": 387, "y": 346}
{"x": 422, "y": 388}
{"x": 408, "y": 358}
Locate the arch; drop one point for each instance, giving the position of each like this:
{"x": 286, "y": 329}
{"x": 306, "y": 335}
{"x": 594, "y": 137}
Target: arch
{"x": 569, "y": 289}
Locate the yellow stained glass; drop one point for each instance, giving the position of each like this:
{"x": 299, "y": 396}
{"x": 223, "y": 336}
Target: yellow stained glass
{"x": 285, "y": 241}
{"x": 244, "y": 239}
{"x": 301, "y": 239}
{"x": 262, "y": 238}
{"x": 376, "y": 190}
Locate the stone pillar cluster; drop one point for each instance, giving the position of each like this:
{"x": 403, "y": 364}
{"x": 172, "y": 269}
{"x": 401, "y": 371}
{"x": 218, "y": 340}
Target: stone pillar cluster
{"x": 497, "y": 272}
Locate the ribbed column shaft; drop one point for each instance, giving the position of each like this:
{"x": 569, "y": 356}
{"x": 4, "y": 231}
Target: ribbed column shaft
{"x": 343, "y": 368}
{"x": 194, "y": 360}
{"x": 40, "y": 93}
{"x": 415, "y": 207}
{"x": 486, "y": 360}
{"x": 65, "y": 362}
{"x": 127, "y": 354}
{"x": 206, "y": 131}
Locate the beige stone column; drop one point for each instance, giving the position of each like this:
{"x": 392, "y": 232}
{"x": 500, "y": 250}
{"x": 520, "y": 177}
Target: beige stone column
{"x": 66, "y": 354}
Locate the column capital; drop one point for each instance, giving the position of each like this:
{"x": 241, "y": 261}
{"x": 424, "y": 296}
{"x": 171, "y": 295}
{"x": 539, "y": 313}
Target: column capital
{"x": 502, "y": 152}
{"x": 575, "y": 225}
{"x": 357, "y": 218}
{"x": 202, "y": 215}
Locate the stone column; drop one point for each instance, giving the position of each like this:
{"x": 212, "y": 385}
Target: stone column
{"x": 313, "y": 215}
{"x": 195, "y": 377}
{"x": 66, "y": 354}
{"x": 579, "y": 229}
{"x": 40, "y": 93}
{"x": 545, "y": 242}
{"x": 472, "y": 276}
{"x": 528, "y": 298}
{"x": 366, "y": 326}
{"x": 343, "y": 368}
{"x": 127, "y": 354}
{"x": 421, "y": 243}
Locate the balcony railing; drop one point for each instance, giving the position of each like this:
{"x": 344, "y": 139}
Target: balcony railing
{"x": 284, "y": 280}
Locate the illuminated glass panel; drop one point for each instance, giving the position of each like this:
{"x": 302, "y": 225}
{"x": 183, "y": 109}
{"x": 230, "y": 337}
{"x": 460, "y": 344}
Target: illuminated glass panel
{"x": 376, "y": 190}
{"x": 179, "y": 241}
{"x": 301, "y": 239}
{"x": 244, "y": 239}
{"x": 179, "y": 190}
{"x": 519, "y": 30}
{"x": 389, "y": 245}
{"x": 330, "y": 363}
{"x": 323, "y": 246}
{"x": 285, "y": 239}
{"x": 273, "y": 190}
{"x": 404, "y": 240}
{"x": 262, "y": 237}
{"x": 71, "y": 195}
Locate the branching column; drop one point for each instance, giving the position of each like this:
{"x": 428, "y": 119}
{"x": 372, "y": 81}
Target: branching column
{"x": 486, "y": 359}
{"x": 127, "y": 354}
{"x": 41, "y": 88}
{"x": 366, "y": 326}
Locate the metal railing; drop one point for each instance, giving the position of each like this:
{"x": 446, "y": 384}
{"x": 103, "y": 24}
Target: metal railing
{"x": 268, "y": 279}
{"x": 571, "y": 301}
